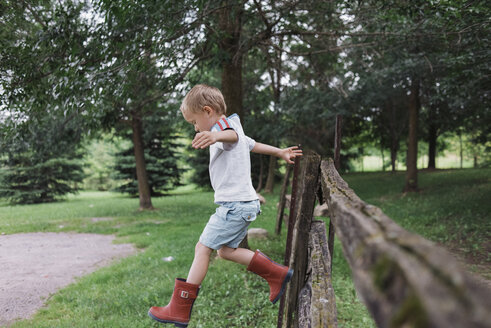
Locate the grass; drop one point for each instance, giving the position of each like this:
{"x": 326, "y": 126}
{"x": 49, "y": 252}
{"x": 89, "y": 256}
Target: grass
{"x": 120, "y": 295}
{"x": 452, "y": 209}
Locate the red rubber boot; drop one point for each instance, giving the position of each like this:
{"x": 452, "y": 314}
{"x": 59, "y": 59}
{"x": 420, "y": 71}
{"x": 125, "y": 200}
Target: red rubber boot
{"x": 276, "y": 275}
{"x": 178, "y": 311}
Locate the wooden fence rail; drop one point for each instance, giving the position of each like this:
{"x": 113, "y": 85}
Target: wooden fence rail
{"x": 403, "y": 279}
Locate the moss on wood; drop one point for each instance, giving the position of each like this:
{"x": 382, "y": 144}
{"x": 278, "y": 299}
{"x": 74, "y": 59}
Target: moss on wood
{"x": 411, "y": 314}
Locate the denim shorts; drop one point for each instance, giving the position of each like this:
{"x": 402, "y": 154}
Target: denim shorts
{"x": 228, "y": 226}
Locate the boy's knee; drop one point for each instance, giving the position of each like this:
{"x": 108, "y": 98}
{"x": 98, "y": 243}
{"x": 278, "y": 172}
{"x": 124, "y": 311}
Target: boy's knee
{"x": 221, "y": 253}
{"x": 202, "y": 249}
{"x": 225, "y": 252}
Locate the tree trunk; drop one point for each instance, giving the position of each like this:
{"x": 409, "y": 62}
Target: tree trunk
{"x": 282, "y": 203}
{"x": 461, "y": 150}
{"x": 271, "y": 170}
{"x": 337, "y": 141}
{"x": 232, "y": 87}
{"x": 141, "y": 170}
{"x": 432, "y": 138}
{"x": 393, "y": 155}
{"x": 261, "y": 173}
{"x": 394, "y": 133}
{"x": 412, "y": 149}
{"x": 230, "y": 24}
{"x": 383, "y": 157}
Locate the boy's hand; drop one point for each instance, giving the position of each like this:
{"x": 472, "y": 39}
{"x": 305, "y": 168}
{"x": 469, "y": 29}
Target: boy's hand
{"x": 288, "y": 154}
{"x": 203, "y": 139}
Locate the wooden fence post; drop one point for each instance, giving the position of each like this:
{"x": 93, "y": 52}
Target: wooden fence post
{"x": 331, "y": 235}
{"x": 317, "y": 303}
{"x": 303, "y": 218}
{"x": 291, "y": 226}
{"x": 281, "y": 206}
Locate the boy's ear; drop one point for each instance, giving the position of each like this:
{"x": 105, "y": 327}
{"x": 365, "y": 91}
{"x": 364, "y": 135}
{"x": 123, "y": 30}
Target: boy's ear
{"x": 208, "y": 109}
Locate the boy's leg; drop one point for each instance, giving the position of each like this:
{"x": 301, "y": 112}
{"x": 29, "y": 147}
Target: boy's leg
{"x": 277, "y": 275}
{"x": 199, "y": 268}
{"x": 178, "y": 311}
{"x": 238, "y": 255}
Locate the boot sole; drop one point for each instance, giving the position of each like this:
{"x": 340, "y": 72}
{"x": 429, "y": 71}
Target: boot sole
{"x": 283, "y": 285}
{"x": 176, "y": 323}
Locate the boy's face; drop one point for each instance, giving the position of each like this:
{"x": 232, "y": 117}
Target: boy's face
{"x": 202, "y": 121}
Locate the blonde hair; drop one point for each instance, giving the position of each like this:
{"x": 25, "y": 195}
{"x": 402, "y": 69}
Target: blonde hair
{"x": 202, "y": 95}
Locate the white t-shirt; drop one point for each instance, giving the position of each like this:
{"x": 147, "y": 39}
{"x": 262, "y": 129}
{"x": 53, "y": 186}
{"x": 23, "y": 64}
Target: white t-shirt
{"x": 230, "y": 164}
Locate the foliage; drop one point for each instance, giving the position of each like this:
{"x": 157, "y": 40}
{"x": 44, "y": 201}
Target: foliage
{"x": 45, "y": 61}
{"x": 111, "y": 63}
{"x": 199, "y": 161}
{"x": 161, "y": 157}
{"x": 99, "y": 162}
{"x": 42, "y": 162}
{"x": 45, "y": 95}
{"x": 442, "y": 45}
{"x": 146, "y": 51}
{"x": 312, "y": 113}
{"x": 25, "y": 182}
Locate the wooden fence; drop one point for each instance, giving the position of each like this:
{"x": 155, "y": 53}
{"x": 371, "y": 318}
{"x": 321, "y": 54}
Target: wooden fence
{"x": 403, "y": 279}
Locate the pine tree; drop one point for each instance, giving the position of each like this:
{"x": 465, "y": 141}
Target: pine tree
{"x": 41, "y": 163}
{"x": 161, "y": 159}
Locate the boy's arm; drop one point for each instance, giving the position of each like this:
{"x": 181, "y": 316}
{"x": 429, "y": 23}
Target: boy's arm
{"x": 208, "y": 138}
{"x": 286, "y": 153}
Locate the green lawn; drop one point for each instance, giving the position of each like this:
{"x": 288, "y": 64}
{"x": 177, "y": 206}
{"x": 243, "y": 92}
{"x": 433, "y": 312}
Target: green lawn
{"x": 452, "y": 208}
{"x": 120, "y": 295}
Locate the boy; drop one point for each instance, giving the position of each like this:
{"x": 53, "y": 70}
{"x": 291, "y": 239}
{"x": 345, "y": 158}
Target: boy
{"x": 230, "y": 175}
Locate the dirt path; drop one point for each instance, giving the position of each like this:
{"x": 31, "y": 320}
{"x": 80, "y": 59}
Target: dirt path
{"x": 35, "y": 265}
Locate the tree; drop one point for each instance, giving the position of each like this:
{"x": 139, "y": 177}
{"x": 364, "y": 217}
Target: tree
{"x": 41, "y": 162}
{"x": 161, "y": 157}
{"x": 230, "y": 26}
{"x": 44, "y": 114}
{"x": 394, "y": 63}
{"x": 417, "y": 44}
{"x": 379, "y": 99}
{"x": 148, "y": 49}
{"x": 414, "y": 106}
{"x": 113, "y": 72}
{"x": 43, "y": 117}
